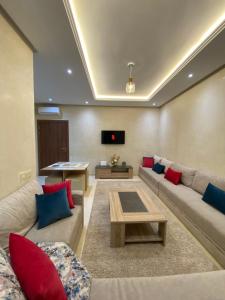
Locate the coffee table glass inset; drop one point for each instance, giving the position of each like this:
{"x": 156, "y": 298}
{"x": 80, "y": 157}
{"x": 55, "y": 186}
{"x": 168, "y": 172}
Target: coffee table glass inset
{"x": 131, "y": 202}
{"x": 135, "y": 218}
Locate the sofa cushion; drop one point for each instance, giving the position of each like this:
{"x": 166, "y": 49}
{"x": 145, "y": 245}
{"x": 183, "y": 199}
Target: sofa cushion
{"x": 198, "y": 286}
{"x": 52, "y": 207}
{"x": 142, "y": 172}
{"x": 167, "y": 163}
{"x": 9, "y": 285}
{"x": 173, "y": 176}
{"x": 52, "y": 188}
{"x": 152, "y": 176}
{"x": 65, "y": 230}
{"x": 18, "y": 211}
{"x": 201, "y": 181}
{"x": 187, "y": 173}
{"x": 206, "y": 218}
{"x": 73, "y": 274}
{"x": 36, "y": 273}
{"x": 158, "y": 168}
{"x": 215, "y": 197}
{"x": 148, "y": 162}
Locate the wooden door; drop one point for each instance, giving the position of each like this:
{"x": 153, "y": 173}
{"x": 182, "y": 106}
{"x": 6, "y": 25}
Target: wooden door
{"x": 53, "y": 142}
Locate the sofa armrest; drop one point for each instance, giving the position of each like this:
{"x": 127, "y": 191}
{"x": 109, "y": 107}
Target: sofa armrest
{"x": 78, "y": 197}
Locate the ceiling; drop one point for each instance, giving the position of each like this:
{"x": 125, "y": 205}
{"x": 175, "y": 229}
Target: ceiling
{"x": 167, "y": 40}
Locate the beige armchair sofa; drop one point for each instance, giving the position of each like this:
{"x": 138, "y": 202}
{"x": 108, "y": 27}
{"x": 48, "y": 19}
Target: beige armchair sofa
{"x": 18, "y": 214}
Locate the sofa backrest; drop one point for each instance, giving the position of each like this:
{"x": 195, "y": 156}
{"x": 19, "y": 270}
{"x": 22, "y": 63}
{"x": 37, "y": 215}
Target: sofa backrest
{"x": 18, "y": 211}
{"x": 187, "y": 173}
{"x": 201, "y": 181}
{"x": 167, "y": 163}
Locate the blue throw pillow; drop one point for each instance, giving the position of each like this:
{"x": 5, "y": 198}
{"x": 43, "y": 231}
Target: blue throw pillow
{"x": 52, "y": 207}
{"x": 158, "y": 168}
{"x": 215, "y": 197}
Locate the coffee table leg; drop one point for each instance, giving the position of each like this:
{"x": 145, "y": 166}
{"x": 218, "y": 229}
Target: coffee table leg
{"x": 162, "y": 231}
{"x": 117, "y": 235}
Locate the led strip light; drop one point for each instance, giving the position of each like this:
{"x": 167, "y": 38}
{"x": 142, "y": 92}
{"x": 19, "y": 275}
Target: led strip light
{"x": 205, "y": 39}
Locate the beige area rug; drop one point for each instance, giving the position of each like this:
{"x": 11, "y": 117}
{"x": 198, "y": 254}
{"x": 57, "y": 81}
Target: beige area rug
{"x": 182, "y": 253}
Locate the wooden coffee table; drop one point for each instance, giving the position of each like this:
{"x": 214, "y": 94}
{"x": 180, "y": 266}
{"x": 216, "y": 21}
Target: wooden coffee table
{"x": 135, "y": 218}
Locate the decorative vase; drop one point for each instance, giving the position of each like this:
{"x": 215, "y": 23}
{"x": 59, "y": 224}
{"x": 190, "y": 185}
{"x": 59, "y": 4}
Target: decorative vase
{"x": 114, "y": 160}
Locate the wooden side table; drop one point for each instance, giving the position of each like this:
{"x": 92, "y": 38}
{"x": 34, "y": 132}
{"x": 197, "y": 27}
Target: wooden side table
{"x": 68, "y": 169}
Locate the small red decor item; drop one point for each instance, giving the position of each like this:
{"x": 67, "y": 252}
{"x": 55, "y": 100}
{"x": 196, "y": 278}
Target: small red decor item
{"x": 148, "y": 162}
{"x": 52, "y": 188}
{"x": 173, "y": 176}
{"x": 35, "y": 271}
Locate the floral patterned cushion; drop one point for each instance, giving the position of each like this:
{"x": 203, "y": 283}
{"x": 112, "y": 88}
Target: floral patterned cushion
{"x": 9, "y": 286}
{"x": 75, "y": 277}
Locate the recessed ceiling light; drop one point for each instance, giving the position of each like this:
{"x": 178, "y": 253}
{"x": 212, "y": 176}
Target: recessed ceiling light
{"x": 190, "y": 75}
{"x": 50, "y": 99}
{"x": 154, "y": 104}
{"x": 69, "y": 71}
{"x": 86, "y": 102}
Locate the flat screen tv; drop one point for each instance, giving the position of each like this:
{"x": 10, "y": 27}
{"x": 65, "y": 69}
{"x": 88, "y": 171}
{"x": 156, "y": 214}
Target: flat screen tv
{"x": 113, "y": 137}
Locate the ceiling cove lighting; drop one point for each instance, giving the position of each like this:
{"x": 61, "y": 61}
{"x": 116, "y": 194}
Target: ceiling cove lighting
{"x": 190, "y": 75}
{"x": 213, "y": 30}
{"x": 69, "y": 71}
{"x": 130, "y": 85}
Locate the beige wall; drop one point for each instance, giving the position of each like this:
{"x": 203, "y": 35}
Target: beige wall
{"x": 86, "y": 123}
{"x": 17, "y": 152}
{"x": 192, "y": 127}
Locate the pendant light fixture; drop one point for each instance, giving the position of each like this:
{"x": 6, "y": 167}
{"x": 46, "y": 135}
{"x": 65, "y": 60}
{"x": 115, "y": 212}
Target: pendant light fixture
{"x": 130, "y": 85}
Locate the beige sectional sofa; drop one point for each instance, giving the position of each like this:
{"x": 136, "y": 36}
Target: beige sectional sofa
{"x": 18, "y": 214}
{"x": 185, "y": 200}
{"x": 198, "y": 286}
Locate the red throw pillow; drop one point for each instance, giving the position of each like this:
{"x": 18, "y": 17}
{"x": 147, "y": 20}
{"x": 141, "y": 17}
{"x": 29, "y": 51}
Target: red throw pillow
{"x": 35, "y": 271}
{"x": 148, "y": 162}
{"x": 52, "y": 188}
{"x": 173, "y": 176}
